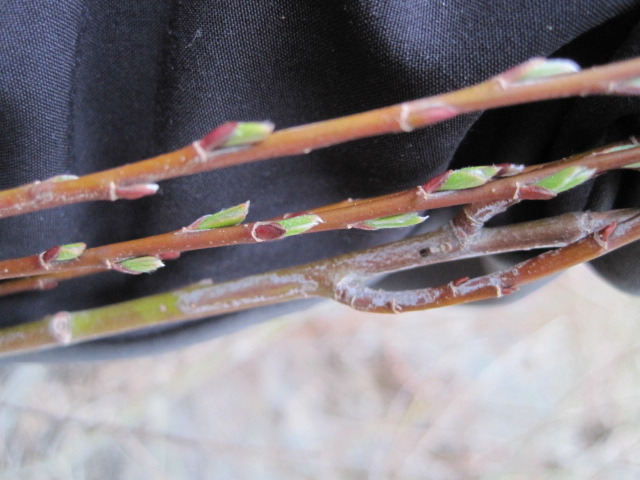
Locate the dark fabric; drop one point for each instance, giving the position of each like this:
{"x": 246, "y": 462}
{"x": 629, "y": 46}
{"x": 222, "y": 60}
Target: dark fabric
{"x": 87, "y": 85}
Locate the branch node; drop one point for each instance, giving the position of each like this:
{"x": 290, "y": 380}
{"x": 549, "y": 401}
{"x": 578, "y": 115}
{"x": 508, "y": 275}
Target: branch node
{"x": 601, "y": 237}
{"x": 516, "y": 194}
{"x": 436, "y": 182}
{"x": 201, "y": 153}
{"x": 403, "y": 118}
{"x": 60, "y": 328}
{"x": 394, "y": 307}
{"x": 420, "y": 192}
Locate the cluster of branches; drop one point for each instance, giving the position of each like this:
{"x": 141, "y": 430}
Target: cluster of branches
{"x": 482, "y": 192}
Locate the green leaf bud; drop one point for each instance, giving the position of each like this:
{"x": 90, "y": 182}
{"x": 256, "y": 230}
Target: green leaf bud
{"x": 566, "y": 178}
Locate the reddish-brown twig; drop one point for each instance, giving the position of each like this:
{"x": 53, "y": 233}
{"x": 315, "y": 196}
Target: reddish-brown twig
{"x": 535, "y": 80}
{"x": 339, "y": 216}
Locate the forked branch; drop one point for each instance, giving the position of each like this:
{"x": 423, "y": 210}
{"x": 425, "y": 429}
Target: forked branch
{"x": 578, "y": 237}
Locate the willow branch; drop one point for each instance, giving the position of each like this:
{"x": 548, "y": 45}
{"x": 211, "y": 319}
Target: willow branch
{"x": 535, "y": 80}
{"x": 342, "y": 278}
{"x": 62, "y": 262}
{"x": 610, "y": 237}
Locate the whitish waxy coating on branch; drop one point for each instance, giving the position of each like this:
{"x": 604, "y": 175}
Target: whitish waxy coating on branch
{"x": 62, "y": 178}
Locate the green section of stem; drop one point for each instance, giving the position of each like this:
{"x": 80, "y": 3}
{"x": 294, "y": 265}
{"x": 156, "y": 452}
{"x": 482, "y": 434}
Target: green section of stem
{"x": 25, "y": 337}
{"x": 249, "y": 132}
{"x": 127, "y": 316}
{"x": 566, "y": 179}
{"x": 469, "y": 177}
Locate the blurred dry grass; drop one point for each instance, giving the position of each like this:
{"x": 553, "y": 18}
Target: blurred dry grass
{"x": 544, "y": 388}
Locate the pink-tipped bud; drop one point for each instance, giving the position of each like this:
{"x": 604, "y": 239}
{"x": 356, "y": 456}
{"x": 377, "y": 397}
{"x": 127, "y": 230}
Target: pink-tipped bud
{"x": 436, "y": 182}
{"x": 50, "y": 255}
{"x": 266, "y": 231}
{"x": 218, "y": 136}
{"x": 607, "y": 231}
{"x": 534, "y": 192}
{"x": 61, "y": 253}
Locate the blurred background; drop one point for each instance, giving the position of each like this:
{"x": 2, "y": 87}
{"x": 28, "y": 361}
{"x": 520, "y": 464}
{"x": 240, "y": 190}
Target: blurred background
{"x": 547, "y": 387}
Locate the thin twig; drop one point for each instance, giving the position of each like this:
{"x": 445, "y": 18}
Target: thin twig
{"x": 535, "y": 80}
{"x": 349, "y": 214}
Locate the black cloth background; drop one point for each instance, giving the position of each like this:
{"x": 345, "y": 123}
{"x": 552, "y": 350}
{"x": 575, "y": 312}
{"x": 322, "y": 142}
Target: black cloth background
{"x": 88, "y": 85}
